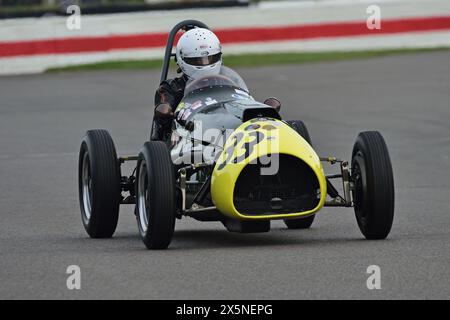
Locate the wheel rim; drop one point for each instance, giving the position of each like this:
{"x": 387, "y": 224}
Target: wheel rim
{"x": 86, "y": 186}
{"x": 143, "y": 198}
{"x": 360, "y": 191}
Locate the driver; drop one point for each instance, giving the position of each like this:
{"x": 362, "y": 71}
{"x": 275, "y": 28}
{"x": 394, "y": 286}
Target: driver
{"x": 198, "y": 54}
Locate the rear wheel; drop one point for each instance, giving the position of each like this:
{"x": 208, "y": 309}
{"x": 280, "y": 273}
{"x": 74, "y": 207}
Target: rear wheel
{"x": 99, "y": 184}
{"x": 300, "y": 223}
{"x": 155, "y": 195}
{"x": 373, "y": 193}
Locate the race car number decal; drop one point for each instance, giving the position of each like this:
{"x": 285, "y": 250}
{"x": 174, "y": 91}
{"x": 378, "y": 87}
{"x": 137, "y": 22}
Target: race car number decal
{"x": 242, "y": 151}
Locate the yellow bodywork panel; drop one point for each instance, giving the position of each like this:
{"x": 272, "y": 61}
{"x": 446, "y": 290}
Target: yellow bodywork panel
{"x": 259, "y": 139}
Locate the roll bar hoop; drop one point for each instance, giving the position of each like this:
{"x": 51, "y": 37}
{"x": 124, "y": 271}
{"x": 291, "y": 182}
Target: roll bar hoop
{"x": 183, "y": 25}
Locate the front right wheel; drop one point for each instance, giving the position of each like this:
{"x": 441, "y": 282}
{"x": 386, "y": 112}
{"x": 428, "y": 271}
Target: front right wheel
{"x": 99, "y": 184}
{"x": 373, "y": 190}
{"x": 155, "y": 195}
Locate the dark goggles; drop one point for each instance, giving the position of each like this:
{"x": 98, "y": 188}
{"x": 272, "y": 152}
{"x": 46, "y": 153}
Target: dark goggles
{"x": 203, "y": 61}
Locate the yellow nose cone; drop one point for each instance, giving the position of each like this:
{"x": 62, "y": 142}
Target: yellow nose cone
{"x": 267, "y": 171}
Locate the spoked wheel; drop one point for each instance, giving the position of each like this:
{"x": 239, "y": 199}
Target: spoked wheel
{"x": 99, "y": 184}
{"x": 300, "y": 223}
{"x": 373, "y": 192}
{"x": 155, "y": 195}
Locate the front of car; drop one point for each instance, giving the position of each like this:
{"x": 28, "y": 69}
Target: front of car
{"x": 267, "y": 171}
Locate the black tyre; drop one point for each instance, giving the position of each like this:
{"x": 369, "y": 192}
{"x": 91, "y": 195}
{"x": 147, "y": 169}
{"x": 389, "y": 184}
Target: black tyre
{"x": 301, "y": 129}
{"x": 99, "y": 184}
{"x": 373, "y": 193}
{"x": 300, "y": 223}
{"x": 155, "y": 195}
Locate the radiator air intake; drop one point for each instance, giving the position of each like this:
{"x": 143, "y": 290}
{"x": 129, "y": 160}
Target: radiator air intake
{"x": 293, "y": 188}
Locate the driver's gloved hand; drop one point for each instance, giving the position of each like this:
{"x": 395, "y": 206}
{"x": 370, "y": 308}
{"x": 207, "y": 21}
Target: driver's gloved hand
{"x": 163, "y": 111}
{"x": 162, "y": 120}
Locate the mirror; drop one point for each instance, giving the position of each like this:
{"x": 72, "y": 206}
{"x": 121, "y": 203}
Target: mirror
{"x": 274, "y": 103}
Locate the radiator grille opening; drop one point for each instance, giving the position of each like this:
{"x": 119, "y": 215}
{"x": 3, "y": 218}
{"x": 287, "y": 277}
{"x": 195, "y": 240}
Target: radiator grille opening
{"x": 294, "y": 188}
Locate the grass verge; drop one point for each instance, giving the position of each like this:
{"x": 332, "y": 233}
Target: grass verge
{"x": 250, "y": 60}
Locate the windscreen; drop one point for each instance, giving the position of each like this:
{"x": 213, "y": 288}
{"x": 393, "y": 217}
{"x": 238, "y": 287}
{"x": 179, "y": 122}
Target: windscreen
{"x": 208, "y": 81}
{"x": 227, "y": 77}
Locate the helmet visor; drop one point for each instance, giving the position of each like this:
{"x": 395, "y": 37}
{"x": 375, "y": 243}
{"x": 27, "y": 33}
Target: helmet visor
{"x": 203, "y": 61}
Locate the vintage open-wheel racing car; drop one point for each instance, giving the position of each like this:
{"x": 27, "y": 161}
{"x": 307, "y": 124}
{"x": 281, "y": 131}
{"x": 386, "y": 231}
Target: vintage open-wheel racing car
{"x": 232, "y": 159}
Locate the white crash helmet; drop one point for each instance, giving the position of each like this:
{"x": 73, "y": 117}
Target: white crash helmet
{"x": 199, "y": 53}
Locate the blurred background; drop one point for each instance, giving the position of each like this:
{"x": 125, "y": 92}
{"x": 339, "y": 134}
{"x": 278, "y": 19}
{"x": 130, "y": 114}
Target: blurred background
{"x": 38, "y": 35}
{"x": 41, "y": 35}
{"x": 36, "y": 8}
{"x": 330, "y": 66}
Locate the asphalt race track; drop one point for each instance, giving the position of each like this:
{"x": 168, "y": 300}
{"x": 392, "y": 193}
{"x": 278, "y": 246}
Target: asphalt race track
{"x": 43, "y": 118}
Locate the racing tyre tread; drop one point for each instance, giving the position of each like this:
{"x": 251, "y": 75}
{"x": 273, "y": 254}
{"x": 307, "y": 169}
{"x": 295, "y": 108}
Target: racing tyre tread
{"x": 375, "y": 211}
{"x": 105, "y": 175}
{"x": 160, "y": 173}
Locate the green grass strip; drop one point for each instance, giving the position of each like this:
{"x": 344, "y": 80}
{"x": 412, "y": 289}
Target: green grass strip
{"x": 250, "y": 60}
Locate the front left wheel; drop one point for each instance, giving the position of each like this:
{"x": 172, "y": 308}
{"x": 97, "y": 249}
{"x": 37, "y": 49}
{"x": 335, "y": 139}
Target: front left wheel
{"x": 155, "y": 195}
